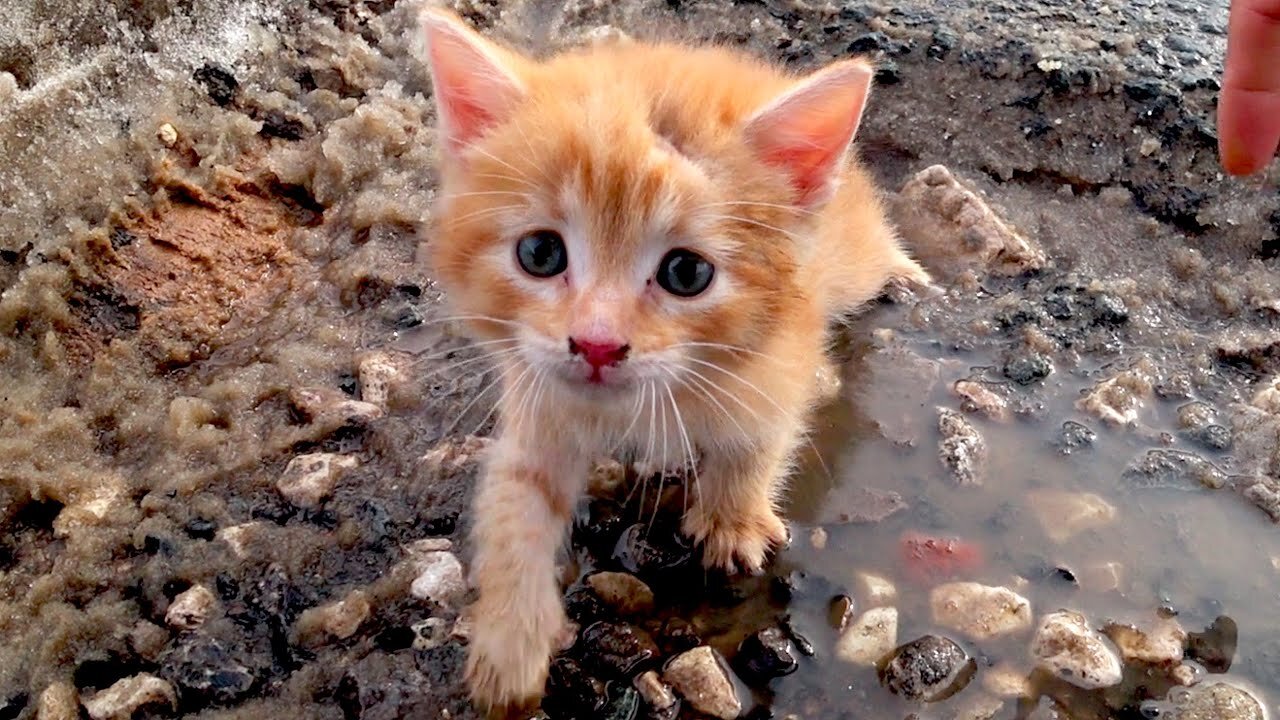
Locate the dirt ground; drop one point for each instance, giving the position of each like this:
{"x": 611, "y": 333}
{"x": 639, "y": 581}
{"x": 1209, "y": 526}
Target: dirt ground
{"x": 211, "y": 215}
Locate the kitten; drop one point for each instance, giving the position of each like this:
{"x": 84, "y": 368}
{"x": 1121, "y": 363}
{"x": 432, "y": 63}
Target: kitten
{"x": 652, "y": 241}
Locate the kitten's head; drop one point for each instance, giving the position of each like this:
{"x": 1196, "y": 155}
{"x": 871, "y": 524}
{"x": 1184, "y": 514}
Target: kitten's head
{"x": 610, "y": 216}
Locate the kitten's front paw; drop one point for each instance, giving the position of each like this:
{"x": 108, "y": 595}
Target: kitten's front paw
{"x": 508, "y": 658}
{"x": 736, "y": 541}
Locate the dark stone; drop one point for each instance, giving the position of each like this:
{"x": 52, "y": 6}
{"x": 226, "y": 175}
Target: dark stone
{"x": 787, "y": 623}
{"x": 840, "y": 611}
{"x": 201, "y": 528}
{"x": 1213, "y": 437}
{"x": 646, "y": 551}
{"x": 205, "y": 672}
{"x": 943, "y": 41}
{"x": 624, "y": 703}
{"x": 1145, "y": 89}
{"x": 1028, "y": 368}
{"x": 218, "y": 82}
{"x": 395, "y": 638}
{"x": 13, "y": 704}
{"x": 1065, "y": 575}
{"x": 765, "y": 655}
{"x": 1024, "y": 313}
{"x": 583, "y": 606}
{"x": 1215, "y": 648}
{"x": 1176, "y": 204}
{"x": 869, "y": 43}
{"x": 572, "y": 691}
{"x": 1173, "y": 470}
{"x": 598, "y": 526}
{"x": 228, "y": 587}
{"x": 929, "y": 669}
{"x": 887, "y": 72}
{"x": 101, "y": 671}
{"x": 278, "y": 125}
{"x": 1109, "y": 310}
{"x": 677, "y": 635}
{"x": 121, "y": 238}
{"x": 616, "y": 650}
{"x": 1061, "y": 304}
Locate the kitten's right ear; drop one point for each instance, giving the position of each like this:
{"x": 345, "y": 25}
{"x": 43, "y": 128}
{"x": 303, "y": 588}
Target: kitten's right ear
{"x": 475, "y": 82}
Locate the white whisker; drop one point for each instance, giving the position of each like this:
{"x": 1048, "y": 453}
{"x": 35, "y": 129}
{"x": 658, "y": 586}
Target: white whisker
{"x": 758, "y": 223}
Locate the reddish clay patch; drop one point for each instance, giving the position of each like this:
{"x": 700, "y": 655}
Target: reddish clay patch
{"x": 928, "y": 559}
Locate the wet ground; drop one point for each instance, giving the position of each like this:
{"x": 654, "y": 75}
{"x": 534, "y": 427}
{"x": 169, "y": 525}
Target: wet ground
{"x": 210, "y": 216}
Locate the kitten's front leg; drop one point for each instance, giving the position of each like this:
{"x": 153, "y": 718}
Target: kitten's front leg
{"x": 733, "y": 515}
{"x": 521, "y": 512}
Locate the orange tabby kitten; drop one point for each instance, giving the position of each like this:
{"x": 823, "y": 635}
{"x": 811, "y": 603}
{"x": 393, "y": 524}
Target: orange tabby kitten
{"x": 653, "y": 240}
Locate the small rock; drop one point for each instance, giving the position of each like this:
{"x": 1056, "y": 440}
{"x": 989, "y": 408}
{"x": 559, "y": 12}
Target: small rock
{"x": 331, "y": 409}
{"x": 766, "y": 655}
{"x": 1074, "y": 436}
{"x": 982, "y": 399}
{"x": 864, "y": 505}
{"x": 191, "y": 608}
{"x": 238, "y": 537}
{"x": 1219, "y": 701}
{"x": 961, "y": 449}
{"x": 876, "y": 591}
{"x": 870, "y": 638}
{"x": 1028, "y": 368}
{"x": 703, "y": 678}
{"x": 126, "y": 696}
{"x": 646, "y": 551}
{"x": 928, "y": 669}
{"x": 419, "y": 549}
{"x": 617, "y": 650}
{"x": 626, "y": 594}
{"x": 1173, "y": 470}
{"x": 1213, "y": 437}
{"x": 979, "y": 611}
{"x": 951, "y": 227}
{"x": 1215, "y": 648}
{"x": 1117, "y": 400}
{"x": 572, "y": 691}
{"x": 431, "y": 633}
{"x": 840, "y": 612}
{"x": 1064, "y": 514}
{"x": 440, "y": 579}
{"x": 1068, "y": 647}
{"x": 1102, "y": 578}
{"x": 59, "y": 702}
{"x": 661, "y": 699}
{"x": 1195, "y": 415}
{"x": 623, "y": 703}
{"x": 1185, "y": 675}
{"x": 606, "y": 477}
{"x": 377, "y": 372}
{"x": 1007, "y": 681}
{"x": 309, "y": 479}
{"x": 167, "y": 135}
{"x": 339, "y": 620}
{"x": 818, "y": 538}
{"x": 1161, "y": 644}
{"x": 206, "y": 672}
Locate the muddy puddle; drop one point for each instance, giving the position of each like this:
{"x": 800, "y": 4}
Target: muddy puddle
{"x": 237, "y": 441}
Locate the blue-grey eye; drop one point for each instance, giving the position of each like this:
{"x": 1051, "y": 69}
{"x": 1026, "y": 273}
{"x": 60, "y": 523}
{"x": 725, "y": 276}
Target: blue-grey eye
{"x": 542, "y": 253}
{"x": 685, "y": 273}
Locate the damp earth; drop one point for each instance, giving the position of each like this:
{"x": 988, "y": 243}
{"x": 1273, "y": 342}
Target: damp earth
{"x": 238, "y": 439}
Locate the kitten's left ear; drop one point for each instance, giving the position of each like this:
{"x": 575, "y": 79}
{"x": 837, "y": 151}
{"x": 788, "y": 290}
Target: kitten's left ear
{"x": 807, "y": 131}
{"x": 476, "y": 83}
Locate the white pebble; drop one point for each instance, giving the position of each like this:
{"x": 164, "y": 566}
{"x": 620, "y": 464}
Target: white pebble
{"x": 190, "y": 608}
{"x": 869, "y": 638}
{"x": 440, "y": 578}
{"x": 979, "y": 611}
{"x": 1066, "y": 646}
{"x": 309, "y": 479}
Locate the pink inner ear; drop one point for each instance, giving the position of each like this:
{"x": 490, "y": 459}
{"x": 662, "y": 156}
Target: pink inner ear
{"x": 807, "y": 131}
{"x": 472, "y": 85}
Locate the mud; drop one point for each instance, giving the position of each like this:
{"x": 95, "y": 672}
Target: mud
{"x": 210, "y": 220}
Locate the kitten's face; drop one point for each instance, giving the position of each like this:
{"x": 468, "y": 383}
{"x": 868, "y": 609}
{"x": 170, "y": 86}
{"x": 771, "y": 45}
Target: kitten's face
{"x": 620, "y": 217}
{"x": 611, "y": 257}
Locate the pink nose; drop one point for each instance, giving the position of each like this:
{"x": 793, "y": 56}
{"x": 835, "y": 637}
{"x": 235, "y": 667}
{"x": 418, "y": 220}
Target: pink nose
{"x": 599, "y": 353}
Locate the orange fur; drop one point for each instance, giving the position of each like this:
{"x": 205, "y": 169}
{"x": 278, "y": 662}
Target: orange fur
{"x": 630, "y": 150}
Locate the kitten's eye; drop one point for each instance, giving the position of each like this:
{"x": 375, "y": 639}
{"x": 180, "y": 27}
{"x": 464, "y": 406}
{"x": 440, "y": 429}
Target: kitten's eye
{"x": 542, "y": 253}
{"x": 685, "y": 273}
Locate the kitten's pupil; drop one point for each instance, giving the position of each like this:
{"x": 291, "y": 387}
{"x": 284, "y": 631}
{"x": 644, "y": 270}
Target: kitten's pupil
{"x": 542, "y": 253}
{"x": 685, "y": 273}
